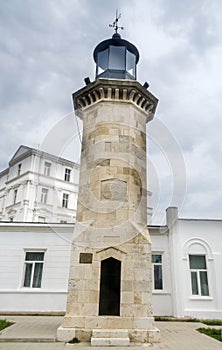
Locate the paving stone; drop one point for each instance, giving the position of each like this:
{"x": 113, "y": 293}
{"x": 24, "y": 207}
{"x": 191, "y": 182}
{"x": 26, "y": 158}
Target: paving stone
{"x": 174, "y": 336}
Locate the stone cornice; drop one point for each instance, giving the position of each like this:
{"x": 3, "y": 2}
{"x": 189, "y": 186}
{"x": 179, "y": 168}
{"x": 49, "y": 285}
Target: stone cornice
{"x": 115, "y": 90}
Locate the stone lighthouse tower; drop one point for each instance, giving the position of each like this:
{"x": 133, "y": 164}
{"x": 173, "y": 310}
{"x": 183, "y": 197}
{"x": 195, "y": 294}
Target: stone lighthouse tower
{"x": 109, "y": 295}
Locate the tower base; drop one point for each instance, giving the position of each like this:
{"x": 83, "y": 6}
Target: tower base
{"x": 109, "y": 330}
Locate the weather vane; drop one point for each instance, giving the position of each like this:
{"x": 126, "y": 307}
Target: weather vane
{"x": 115, "y": 23}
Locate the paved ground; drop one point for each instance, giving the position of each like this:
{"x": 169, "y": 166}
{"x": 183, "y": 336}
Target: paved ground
{"x": 39, "y": 333}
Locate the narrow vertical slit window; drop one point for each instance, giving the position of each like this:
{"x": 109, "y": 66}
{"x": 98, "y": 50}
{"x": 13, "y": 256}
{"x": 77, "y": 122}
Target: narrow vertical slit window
{"x": 15, "y": 195}
{"x": 44, "y": 195}
{"x": 67, "y": 174}
{"x": 19, "y": 169}
{"x": 47, "y": 168}
{"x": 65, "y": 200}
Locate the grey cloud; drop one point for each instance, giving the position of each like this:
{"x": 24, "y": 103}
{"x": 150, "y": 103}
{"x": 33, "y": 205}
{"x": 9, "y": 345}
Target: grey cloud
{"x": 46, "y": 51}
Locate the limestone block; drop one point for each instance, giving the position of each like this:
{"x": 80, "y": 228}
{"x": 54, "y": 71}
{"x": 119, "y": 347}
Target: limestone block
{"x": 77, "y": 272}
{"x": 84, "y": 296}
{"x": 146, "y": 297}
{"x": 140, "y": 310}
{"x": 126, "y": 310}
{"x": 137, "y": 298}
{"x": 143, "y": 323}
{"x": 119, "y": 322}
{"x": 110, "y": 341}
{"x": 73, "y": 296}
{"x": 65, "y": 334}
{"x": 84, "y": 335}
{"x": 144, "y": 336}
{"x": 73, "y": 322}
{"x": 110, "y": 333}
{"x": 139, "y": 336}
{"x": 94, "y": 296}
{"x": 127, "y": 274}
{"x": 89, "y": 309}
{"x": 88, "y": 272}
{"x": 108, "y": 322}
{"x": 74, "y": 308}
{"x": 92, "y": 322}
{"x": 142, "y": 274}
{"x": 154, "y": 335}
{"x": 93, "y": 284}
{"x": 140, "y": 286}
{"x": 111, "y": 239}
{"x": 127, "y": 285}
{"x": 76, "y": 284}
{"x": 122, "y": 215}
{"x": 127, "y": 298}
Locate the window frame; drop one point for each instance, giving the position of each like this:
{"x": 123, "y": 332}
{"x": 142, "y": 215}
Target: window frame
{"x": 15, "y": 196}
{"x": 153, "y": 271}
{"x": 47, "y": 168}
{"x": 19, "y": 169}
{"x": 44, "y": 195}
{"x": 65, "y": 200}
{"x": 33, "y": 264}
{"x": 67, "y": 175}
{"x": 198, "y": 279}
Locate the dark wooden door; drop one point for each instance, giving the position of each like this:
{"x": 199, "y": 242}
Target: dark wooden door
{"x": 109, "y": 301}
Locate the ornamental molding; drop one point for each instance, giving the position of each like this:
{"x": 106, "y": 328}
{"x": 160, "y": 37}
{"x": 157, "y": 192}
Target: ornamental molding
{"x": 197, "y": 241}
{"x": 111, "y": 90}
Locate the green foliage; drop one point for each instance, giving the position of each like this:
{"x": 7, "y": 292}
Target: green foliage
{"x": 207, "y": 322}
{"x": 212, "y": 332}
{"x": 163, "y": 318}
{"x": 192, "y": 320}
{"x": 212, "y": 322}
{"x": 4, "y": 324}
{"x": 74, "y": 341}
{"x": 173, "y": 319}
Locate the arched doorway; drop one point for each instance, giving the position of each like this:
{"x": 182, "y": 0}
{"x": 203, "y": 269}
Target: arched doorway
{"x": 109, "y": 300}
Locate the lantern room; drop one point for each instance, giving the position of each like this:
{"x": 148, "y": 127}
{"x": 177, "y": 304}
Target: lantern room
{"x": 116, "y": 58}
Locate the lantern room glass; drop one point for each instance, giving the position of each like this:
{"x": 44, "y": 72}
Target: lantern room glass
{"x": 102, "y": 64}
{"x": 131, "y": 63}
{"x": 117, "y": 57}
{"x": 116, "y": 62}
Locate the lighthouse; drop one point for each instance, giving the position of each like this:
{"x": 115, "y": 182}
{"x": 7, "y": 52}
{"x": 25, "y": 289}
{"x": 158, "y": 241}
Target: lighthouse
{"x": 110, "y": 286}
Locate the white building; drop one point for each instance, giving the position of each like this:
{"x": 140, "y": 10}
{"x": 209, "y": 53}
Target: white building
{"x": 38, "y": 187}
{"x": 186, "y": 255}
{"x": 190, "y": 252}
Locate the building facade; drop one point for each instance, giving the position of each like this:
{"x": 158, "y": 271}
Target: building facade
{"x": 38, "y": 187}
{"x": 186, "y": 267}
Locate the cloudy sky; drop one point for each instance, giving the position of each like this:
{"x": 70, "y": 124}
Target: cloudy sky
{"x": 46, "y": 51}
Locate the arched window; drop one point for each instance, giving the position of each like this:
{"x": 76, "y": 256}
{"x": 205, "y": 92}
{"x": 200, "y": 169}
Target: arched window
{"x": 198, "y": 253}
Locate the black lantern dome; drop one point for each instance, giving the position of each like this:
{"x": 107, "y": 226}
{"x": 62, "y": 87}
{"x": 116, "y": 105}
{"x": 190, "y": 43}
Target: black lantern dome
{"x": 116, "y": 58}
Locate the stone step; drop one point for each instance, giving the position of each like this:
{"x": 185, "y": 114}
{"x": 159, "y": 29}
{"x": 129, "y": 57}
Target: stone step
{"x": 110, "y": 341}
{"x": 110, "y": 337}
